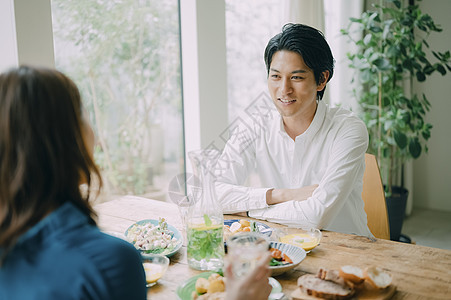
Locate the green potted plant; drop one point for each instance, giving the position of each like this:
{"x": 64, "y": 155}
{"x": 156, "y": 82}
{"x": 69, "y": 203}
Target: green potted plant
{"x": 389, "y": 57}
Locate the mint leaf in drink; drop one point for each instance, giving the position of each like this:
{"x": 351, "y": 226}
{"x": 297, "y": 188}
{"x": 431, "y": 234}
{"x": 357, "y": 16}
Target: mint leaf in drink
{"x": 207, "y": 220}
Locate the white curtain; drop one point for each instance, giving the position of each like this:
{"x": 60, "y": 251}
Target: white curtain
{"x": 309, "y": 12}
{"x": 337, "y": 14}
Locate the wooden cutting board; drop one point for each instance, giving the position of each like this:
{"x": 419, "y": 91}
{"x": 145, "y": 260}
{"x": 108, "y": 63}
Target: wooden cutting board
{"x": 367, "y": 293}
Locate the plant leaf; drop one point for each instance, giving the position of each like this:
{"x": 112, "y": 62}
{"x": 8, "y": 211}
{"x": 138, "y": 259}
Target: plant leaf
{"x": 420, "y": 76}
{"x": 382, "y": 64}
{"x": 400, "y": 138}
{"x": 440, "y": 69}
{"x": 415, "y": 147}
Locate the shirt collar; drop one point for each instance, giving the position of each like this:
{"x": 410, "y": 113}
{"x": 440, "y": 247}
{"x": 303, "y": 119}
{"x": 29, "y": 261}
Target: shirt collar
{"x": 65, "y": 217}
{"x": 318, "y": 119}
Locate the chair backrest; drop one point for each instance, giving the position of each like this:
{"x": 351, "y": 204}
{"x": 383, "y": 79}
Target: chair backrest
{"x": 374, "y": 197}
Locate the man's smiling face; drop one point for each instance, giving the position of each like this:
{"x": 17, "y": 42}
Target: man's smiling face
{"x": 292, "y": 85}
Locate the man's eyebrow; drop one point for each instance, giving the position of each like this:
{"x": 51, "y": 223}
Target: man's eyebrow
{"x": 299, "y": 71}
{"x": 293, "y": 72}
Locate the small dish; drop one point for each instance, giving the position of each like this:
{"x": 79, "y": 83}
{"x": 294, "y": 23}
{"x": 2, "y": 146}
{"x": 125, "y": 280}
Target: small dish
{"x": 307, "y": 238}
{"x": 168, "y": 252}
{"x": 263, "y": 228}
{"x": 155, "y": 265}
{"x": 296, "y": 254}
{"x": 185, "y": 290}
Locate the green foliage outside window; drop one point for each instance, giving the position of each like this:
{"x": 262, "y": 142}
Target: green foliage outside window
{"x": 124, "y": 56}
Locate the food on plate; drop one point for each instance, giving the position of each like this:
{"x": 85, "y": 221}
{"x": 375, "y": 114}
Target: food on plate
{"x": 278, "y": 258}
{"x": 202, "y": 285}
{"x": 317, "y": 287}
{"x": 152, "y": 238}
{"x": 352, "y": 273}
{"x": 240, "y": 226}
{"x": 331, "y": 275}
{"x": 343, "y": 283}
{"x": 153, "y": 272}
{"x": 211, "y": 288}
{"x": 377, "y": 277}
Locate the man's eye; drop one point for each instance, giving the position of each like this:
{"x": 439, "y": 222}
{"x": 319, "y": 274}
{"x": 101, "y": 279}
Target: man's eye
{"x": 274, "y": 76}
{"x": 296, "y": 77}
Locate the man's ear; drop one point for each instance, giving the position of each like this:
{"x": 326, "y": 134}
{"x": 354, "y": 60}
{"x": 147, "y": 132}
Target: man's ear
{"x": 323, "y": 80}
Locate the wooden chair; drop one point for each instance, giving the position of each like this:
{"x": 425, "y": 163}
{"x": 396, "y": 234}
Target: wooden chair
{"x": 374, "y": 197}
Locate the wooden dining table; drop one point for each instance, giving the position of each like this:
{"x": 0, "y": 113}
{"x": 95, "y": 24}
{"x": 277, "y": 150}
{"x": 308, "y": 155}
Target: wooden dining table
{"x": 418, "y": 272}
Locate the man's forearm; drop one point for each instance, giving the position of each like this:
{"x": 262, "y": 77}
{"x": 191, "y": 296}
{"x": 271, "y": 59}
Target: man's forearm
{"x": 275, "y": 196}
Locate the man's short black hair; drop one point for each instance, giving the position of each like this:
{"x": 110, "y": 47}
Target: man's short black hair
{"x": 307, "y": 42}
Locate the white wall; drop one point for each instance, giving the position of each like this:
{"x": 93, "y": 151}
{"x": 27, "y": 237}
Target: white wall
{"x": 432, "y": 171}
{"x": 26, "y": 33}
{"x": 8, "y": 48}
{"x": 204, "y": 73}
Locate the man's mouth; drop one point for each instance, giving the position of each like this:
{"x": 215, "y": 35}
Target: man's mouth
{"x": 287, "y": 101}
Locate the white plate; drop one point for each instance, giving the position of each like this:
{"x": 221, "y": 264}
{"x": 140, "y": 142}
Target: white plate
{"x": 296, "y": 254}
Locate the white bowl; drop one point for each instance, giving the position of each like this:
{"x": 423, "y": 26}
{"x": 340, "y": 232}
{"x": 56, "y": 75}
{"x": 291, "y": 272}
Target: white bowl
{"x": 296, "y": 254}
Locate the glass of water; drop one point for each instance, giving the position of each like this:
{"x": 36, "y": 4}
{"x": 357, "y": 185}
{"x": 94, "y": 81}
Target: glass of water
{"x": 244, "y": 250}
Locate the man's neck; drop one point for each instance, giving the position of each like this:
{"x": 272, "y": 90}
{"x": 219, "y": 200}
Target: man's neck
{"x": 295, "y": 126}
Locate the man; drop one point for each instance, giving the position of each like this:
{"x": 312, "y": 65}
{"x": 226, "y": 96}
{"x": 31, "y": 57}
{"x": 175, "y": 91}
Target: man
{"x": 309, "y": 157}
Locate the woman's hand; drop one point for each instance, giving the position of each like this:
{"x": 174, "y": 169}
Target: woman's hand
{"x": 254, "y": 285}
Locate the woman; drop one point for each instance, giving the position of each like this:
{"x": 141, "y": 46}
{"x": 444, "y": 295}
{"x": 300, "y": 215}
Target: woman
{"x": 50, "y": 247}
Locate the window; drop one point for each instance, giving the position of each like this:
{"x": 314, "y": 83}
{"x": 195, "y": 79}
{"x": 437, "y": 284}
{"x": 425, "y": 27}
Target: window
{"x": 124, "y": 57}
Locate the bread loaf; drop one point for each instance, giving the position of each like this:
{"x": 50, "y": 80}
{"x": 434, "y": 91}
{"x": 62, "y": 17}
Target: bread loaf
{"x": 317, "y": 287}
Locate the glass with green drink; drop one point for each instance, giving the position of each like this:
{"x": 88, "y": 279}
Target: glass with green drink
{"x": 205, "y": 221}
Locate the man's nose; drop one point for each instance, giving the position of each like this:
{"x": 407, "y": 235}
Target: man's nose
{"x": 286, "y": 87}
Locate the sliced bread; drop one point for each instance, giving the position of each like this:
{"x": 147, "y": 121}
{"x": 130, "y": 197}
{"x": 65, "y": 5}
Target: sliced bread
{"x": 352, "y": 273}
{"x": 317, "y": 287}
{"x": 377, "y": 277}
{"x": 331, "y": 275}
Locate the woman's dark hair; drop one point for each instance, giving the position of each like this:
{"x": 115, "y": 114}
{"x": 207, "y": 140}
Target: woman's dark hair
{"x": 43, "y": 155}
{"x": 307, "y": 42}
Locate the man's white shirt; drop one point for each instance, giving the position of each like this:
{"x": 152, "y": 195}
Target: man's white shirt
{"x": 330, "y": 153}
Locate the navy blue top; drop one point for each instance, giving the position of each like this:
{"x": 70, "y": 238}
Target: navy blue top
{"x": 64, "y": 257}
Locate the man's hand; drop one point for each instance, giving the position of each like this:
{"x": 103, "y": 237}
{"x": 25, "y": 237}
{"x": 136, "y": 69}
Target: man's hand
{"x": 275, "y": 196}
{"x": 254, "y": 285}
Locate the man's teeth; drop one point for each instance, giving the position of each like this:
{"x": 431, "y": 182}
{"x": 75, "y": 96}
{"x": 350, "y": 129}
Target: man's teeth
{"x": 286, "y": 101}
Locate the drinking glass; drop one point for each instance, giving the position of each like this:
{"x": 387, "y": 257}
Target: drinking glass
{"x": 204, "y": 220}
{"x": 244, "y": 250}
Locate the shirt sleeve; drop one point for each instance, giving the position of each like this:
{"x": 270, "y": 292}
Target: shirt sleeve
{"x": 345, "y": 167}
{"x": 233, "y": 168}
